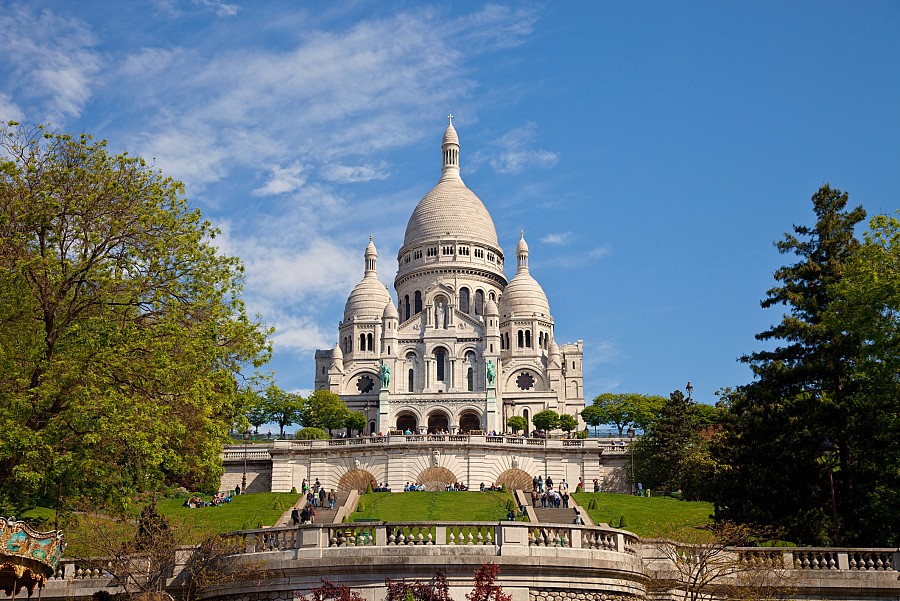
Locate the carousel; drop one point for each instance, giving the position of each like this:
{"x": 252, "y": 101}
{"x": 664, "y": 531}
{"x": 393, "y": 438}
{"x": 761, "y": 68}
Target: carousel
{"x": 27, "y": 557}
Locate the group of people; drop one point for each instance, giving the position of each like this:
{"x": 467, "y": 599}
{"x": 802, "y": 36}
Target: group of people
{"x": 544, "y": 495}
{"x": 316, "y": 496}
{"x": 194, "y": 502}
{"x": 493, "y": 486}
{"x": 376, "y": 487}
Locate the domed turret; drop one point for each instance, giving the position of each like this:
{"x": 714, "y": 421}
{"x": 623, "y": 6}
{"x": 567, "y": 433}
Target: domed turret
{"x": 390, "y": 311}
{"x": 369, "y": 297}
{"x": 490, "y": 308}
{"x": 523, "y": 296}
{"x": 337, "y": 357}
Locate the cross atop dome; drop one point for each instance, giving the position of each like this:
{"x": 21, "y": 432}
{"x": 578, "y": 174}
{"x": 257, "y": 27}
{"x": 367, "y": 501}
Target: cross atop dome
{"x": 450, "y": 116}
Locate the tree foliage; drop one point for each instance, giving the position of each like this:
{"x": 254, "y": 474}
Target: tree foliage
{"x": 282, "y": 408}
{"x": 311, "y": 434}
{"x": 356, "y": 422}
{"x": 516, "y": 423}
{"x": 545, "y": 420}
{"x": 324, "y": 409}
{"x": 122, "y": 332}
{"x": 622, "y": 409}
{"x": 807, "y": 387}
{"x": 567, "y": 423}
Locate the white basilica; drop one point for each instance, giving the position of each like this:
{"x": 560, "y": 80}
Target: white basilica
{"x": 467, "y": 349}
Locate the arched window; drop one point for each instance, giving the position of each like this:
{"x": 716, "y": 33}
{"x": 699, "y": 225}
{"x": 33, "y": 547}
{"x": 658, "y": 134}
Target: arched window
{"x": 521, "y": 338}
{"x": 507, "y": 341}
{"x": 369, "y": 342}
{"x": 439, "y": 359}
{"x": 470, "y": 380}
{"x": 362, "y": 342}
{"x": 479, "y": 302}
{"x": 492, "y": 296}
{"x": 525, "y": 414}
{"x": 418, "y": 301}
{"x": 412, "y": 380}
{"x": 527, "y": 338}
{"x": 407, "y": 307}
{"x": 464, "y": 300}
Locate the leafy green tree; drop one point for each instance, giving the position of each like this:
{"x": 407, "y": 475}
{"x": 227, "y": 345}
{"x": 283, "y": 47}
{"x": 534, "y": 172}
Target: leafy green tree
{"x": 567, "y": 423}
{"x": 804, "y": 389}
{"x": 622, "y": 409}
{"x": 545, "y": 420}
{"x": 356, "y": 421}
{"x": 311, "y": 434}
{"x": 122, "y": 332}
{"x": 324, "y": 409}
{"x": 283, "y": 408}
{"x": 669, "y": 454}
{"x": 516, "y": 423}
{"x": 254, "y": 409}
{"x": 867, "y": 303}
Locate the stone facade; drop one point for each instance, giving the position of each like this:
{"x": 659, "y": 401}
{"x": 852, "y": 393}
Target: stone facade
{"x": 462, "y": 349}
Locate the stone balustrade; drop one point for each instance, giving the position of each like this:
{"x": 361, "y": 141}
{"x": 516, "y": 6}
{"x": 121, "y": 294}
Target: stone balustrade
{"x": 607, "y": 446}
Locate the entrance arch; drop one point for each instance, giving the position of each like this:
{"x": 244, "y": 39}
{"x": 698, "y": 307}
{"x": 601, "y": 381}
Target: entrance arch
{"x": 438, "y": 421}
{"x": 515, "y": 479}
{"x": 407, "y": 421}
{"x": 436, "y": 478}
{"x": 468, "y": 421}
{"x": 356, "y": 479}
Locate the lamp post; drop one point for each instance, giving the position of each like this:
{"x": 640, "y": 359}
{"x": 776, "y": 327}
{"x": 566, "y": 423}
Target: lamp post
{"x": 631, "y": 445}
{"x": 366, "y": 409}
{"x": 690, "y": 390}
{"x": 827, "y": 448}
{"x": 244, "y": 478}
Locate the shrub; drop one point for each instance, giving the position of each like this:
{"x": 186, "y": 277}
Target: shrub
{"x": 311, "y": 434}
{"x": 293, "y": 490}
{"x": 511, "y": 506}
{"x": 361, "y": 506}
{"x": 623, "y": 523}
{"x": 369, "y": 488}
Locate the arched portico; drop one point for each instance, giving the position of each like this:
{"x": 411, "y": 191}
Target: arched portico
{"x": 407, "y": 420}
{"x": 469, "y": 420}
{"x": 438, "y": 421}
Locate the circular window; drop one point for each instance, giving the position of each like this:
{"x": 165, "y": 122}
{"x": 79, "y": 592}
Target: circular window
{"x": 525, "y": 381}
{"x": 365, "y": 384}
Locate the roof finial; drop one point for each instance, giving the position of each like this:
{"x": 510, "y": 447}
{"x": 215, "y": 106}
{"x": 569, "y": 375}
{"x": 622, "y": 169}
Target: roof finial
{"x": 370, "y": 237}
{"x": 522, "y": 234}
{"x": 450, "y": 116}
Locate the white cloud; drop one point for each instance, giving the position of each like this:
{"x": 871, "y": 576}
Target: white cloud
{"x": 54, "y": 61}
{"x": 222, "y": 9}
{"x": 513, "y": 152}
{"x": 577, "y": 259}
{"x": 9, "y": 111}
{"x": 558, "y": 238}
{"x": 283, "y": 180}
{"x": 351, "y": 174}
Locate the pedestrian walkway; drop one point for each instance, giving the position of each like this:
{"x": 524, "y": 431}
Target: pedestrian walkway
{"x": 323, "y": 514}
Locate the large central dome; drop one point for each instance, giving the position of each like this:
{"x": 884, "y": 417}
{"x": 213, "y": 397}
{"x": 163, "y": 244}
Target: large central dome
{"x": 450, "y": 209}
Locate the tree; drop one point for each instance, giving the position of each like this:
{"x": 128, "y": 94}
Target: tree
{"x": 804, "y": 389}
{"x": 254, "y": 409}
{"x": 545, "y": 420}
{"x": 485, "y": 589}
{"x": 324, "y": 409}
{"x": 122, "y": 332}
{"x": 671, "y": 455}
{"x": 622, "y": 409}
{"x": 283, "y": 408}
{"x": 567, "y": 423}
{"x": 516, "y": 423}
{"x": 311, "y": 434}
{"x": 356, "y": 420}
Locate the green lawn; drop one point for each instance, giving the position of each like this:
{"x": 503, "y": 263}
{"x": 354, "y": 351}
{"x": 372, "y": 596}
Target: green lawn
{"x": 651, "y": 516}
{"x": 488, "y": 506}
{"x": 243, "y": 513}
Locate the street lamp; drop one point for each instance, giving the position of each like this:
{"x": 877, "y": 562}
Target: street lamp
{"x": 690, "y": 391}
{"x": 366, "y": 408}
{"x": 244, "y": 478}
{"x": 631, "y": 445}
{"x": 827, "y": 448}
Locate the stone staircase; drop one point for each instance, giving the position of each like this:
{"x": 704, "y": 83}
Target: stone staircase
{"x": 323, "y": 514}
{"x": 548, "y": 515}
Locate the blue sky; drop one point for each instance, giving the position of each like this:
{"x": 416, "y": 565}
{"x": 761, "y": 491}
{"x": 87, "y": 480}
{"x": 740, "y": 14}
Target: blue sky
{"x": 651, "y": 151}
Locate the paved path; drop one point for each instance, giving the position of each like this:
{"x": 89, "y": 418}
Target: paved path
{"x": 323, "y": 514}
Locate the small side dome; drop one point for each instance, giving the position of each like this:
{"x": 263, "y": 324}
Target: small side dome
{"x": 522, "y": 246}
{"x": 523, "y": 296}
{"x": 554, "y": 353}
{"x": 390, "y": 311}
{"x": 450, "y": 136}
{"x": 337, "y": 357}
{"x": 368, "y": 298}
{"x": 490, "y": 308}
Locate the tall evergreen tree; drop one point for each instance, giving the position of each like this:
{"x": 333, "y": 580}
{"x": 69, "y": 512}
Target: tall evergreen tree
{"x": 803, "y": 391}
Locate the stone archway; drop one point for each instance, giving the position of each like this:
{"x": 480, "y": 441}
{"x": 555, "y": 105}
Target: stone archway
{"x": 468, "y": 421}
{"x": 356, "y": 479}
{"x": 515, "y": 479}
{"x": 407, "y": 421}
{"x": 438, "y": 422}
{"x": 436, "y": 478}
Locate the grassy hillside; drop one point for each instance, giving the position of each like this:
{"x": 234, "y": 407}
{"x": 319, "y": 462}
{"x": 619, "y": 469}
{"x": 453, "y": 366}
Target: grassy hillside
{"x": 650, "y": 516}
{"x": 485, "y": 506}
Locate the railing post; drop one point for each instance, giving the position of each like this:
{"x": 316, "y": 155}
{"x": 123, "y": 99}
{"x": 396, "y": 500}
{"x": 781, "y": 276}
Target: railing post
{"x": 787, "y": 559}
{"x": 69, "y": 571}
{"x": 250, "y": 539}
{"x": 440, "y": 535}
{"x": 381, "y": 536}
{"x": 843, "y": 560}
{"x": 575, "y": 538}
{"x": 620, "y": 542}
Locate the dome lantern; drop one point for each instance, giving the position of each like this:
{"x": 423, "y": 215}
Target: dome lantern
{"x": 450, "y": 152}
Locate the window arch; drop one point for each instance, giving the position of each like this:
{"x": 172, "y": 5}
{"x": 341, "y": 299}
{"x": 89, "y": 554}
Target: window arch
{"x": 464, "y": 300}
{"x": 406, "y": 307}
{"x": 479, "y": 302}
{"x": 418, "y": 302}
{"x": 411, "y": 372}
{"x": 439, "y": 358}
{"x": 369, "y": 345}
{"x": 527, "y": 338}
{"x": 521, "y": 338}
{"x": 362, "y": 342}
